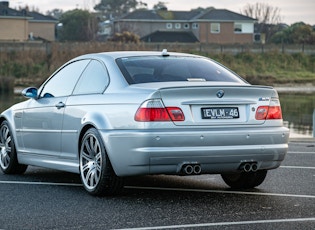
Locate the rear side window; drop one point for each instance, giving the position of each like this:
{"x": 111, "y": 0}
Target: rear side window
{"x": 172, "y": 68}
{"x": 93, "y": 80}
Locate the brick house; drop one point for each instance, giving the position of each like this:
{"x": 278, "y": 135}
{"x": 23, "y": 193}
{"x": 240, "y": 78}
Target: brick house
{"x": 22, "y": 25}
{"x": 206, "y": 26}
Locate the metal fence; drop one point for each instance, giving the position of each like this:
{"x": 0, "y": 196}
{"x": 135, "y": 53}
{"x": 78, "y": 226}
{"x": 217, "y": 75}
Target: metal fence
{"x": 181, "y": 47}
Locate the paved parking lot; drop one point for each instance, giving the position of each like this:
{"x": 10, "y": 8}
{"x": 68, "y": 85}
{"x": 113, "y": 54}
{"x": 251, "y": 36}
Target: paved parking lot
{"x": 49, "y": 199}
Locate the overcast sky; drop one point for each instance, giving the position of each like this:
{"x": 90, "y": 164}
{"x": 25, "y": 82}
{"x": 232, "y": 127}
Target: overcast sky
{"x": 290, "y": 11}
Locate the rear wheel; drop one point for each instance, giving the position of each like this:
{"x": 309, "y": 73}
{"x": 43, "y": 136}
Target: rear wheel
{"x": 97, "y": 174}
{"x": 8, "y": 158}
{"x": 244, "y": 180}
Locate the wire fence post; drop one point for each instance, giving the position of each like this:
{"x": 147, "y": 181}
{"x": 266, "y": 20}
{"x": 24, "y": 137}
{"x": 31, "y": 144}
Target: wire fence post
{"x": 314, "y": 123}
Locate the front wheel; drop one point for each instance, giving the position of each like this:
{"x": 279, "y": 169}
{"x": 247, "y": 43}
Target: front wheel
{"x": 244, "y": 180}
{"x": 8, "y": 158}
{"x": 97, "y": 174}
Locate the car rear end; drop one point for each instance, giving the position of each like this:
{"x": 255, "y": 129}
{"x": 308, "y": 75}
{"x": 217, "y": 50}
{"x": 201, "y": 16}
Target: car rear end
{"x": 196, "y": 126}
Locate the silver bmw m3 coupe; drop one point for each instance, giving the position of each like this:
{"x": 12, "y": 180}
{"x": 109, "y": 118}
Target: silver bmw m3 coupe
{"x": 111, "y": 115}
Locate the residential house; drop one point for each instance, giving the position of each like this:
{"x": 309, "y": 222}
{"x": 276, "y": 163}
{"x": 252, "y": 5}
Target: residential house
{"x": 22, "y": 25}
{"x": 206, "y": 26}
{"x": 42, "y": 26}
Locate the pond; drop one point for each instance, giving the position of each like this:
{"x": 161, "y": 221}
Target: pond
{"x": 297, "y": 111}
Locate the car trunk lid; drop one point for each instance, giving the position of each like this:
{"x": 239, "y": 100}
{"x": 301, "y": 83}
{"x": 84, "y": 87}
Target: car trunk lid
{"x": 218, "y": 105}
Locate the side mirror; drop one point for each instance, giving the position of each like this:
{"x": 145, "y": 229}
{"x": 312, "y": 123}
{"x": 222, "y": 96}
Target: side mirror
{"x": 30, "y": 92}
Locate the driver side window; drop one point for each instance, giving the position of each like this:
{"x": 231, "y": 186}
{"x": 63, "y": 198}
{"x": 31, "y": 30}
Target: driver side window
{"x": 63, "y": 82}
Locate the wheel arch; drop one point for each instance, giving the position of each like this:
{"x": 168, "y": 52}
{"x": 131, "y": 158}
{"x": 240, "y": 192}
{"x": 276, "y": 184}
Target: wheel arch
{"x": 83, "y": 131}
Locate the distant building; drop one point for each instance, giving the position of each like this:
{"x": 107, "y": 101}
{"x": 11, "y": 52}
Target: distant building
{"x": 23, "y": 25}
{"x": 206, "y": 26}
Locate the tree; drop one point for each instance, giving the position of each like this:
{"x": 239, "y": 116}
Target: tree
{"x": 113, "y": 8}
{"x": 56, "y": 13}
{"x": 78, "y": 25}
{"x": 267, "y": 17}
{"x": 160, "y": 6}
{"x": 297, "y": 33}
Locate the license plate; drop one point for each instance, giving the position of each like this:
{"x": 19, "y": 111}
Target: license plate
{"x": 220, "y": 113}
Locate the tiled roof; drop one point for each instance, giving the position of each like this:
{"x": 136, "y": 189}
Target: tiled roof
{"x": 8, "y": 12}
{"x": 160, "y": 15}
{"x": 40, "y": 17}
{"x": 213, "y": 14}
{"x": 170, "y": 36}
{"x": 224, "y": 15}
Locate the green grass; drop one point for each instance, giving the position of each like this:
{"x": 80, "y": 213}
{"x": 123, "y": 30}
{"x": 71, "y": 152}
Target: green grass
{"x": 271, "y": 68}
{"x": 31, "y": 66}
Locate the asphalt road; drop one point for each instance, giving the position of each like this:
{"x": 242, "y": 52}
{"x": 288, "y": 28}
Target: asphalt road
{"x": 49, "y": 199}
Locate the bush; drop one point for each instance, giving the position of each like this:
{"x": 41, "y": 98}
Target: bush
{"x": 6, "y": 84}
{"x": 126, "y": 37}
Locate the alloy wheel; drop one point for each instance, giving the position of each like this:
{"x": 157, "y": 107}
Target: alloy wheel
{"x": 5, "y": 147}
{"x": 91, "y": 161}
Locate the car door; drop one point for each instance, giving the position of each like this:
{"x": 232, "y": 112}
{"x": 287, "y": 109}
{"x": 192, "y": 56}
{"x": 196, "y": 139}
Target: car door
{"x": 43, "y": 118}
{"x": 85, "y": 100}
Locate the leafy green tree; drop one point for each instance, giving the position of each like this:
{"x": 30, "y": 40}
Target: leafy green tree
{"x": 160, "y": 6}
{"x": 56, "y": 13}
{"x": 114, "y": 8}
{"x": 297, "y": 33}
{"x": 77, "y": 25}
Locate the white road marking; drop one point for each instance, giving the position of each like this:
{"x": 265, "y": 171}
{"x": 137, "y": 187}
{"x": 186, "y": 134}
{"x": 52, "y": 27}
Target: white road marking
{"x": 296, "y": 167}
{"x": 301, "y": 152}
{"x": 170, "y": 189}
{"x": 38, "y": 183}
{"x": 226, "y": 223}
{"x": 222, "y": 191}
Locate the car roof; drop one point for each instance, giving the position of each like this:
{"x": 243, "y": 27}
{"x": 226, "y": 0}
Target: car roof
{"x": 122, "y": 54}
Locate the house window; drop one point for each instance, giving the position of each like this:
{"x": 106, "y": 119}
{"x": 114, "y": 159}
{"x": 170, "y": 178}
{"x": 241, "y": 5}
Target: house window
{"x": 195, "y": 25}
{"x": 177, "y": 26}
{"x": 186, "y": 26}
{"x": 215, "y": 28}
{"x": 169, "y": 25}
{"x": 238, "y": 28}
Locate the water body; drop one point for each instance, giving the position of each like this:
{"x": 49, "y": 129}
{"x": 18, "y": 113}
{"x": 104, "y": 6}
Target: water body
{"x": 297, "y": 110}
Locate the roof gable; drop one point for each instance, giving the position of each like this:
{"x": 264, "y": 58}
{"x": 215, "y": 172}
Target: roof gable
{"x": 160, "y": 15}
{"x": 194, "y": 15}
{"x": 8, "y": 12}
{"x": 224, "y": 15}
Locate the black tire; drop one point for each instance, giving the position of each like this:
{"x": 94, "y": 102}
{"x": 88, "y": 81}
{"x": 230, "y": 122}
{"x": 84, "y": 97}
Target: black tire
{"x": 244, "y": 180}
{"x": 97, "y": 174}
{"x": 8, "y": 158}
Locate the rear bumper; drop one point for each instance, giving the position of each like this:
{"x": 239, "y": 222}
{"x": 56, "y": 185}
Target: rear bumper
{"x": 217, "y": 151}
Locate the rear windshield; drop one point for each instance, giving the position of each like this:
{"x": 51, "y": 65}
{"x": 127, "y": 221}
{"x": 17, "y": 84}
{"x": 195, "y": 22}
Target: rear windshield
{"x": 173, "y": 68}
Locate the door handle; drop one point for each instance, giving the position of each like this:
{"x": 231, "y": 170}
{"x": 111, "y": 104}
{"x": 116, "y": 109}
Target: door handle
{"x": 60, "y": 105}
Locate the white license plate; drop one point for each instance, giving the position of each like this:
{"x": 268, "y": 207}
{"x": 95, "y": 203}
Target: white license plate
{"x": 220, "y": 113}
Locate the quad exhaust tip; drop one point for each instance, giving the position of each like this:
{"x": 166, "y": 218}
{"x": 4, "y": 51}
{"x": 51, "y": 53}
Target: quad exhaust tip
{"x": 249, "y": 167}
{"x": 191, "y": 169}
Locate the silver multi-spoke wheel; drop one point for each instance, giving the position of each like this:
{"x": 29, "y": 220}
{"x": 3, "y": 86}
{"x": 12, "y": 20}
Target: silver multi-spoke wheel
{"x": 91, "y": 161}
{"x": 97, "y": 175}
{"x": 5, "y": 146}
{"x": 8, "y": 158}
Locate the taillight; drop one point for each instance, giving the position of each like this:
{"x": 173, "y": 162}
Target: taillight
{"x": 273, "y": 111}
{"x": 154, "y": 110}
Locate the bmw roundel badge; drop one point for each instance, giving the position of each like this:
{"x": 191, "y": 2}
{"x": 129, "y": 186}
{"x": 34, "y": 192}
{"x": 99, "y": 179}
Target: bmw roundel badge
{"x": 220, "y": 93}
